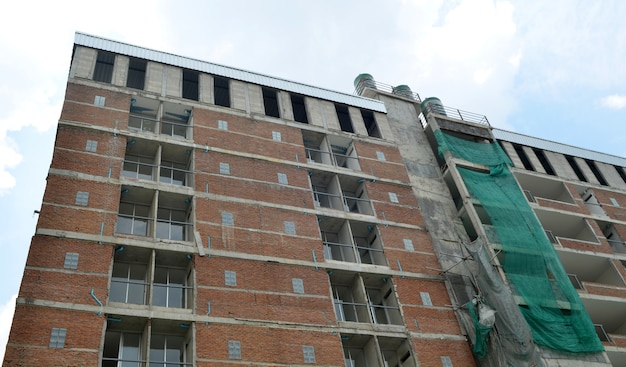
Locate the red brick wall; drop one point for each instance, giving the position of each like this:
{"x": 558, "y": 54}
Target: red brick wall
{"x": 268, "y": 345}
{"x": 28, "y": 345}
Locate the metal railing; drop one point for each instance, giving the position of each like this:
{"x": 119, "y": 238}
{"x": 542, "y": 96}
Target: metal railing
{"x": 172, "y": 230}
{"x": 123, "y": 362}
{"x": 170, "y": 295}
{"x": 349, "y": 311}
{"x": 381, "y": 314}
{"x": 335, "y": 251}
{"x": 175, "y": 176}
{"x": 150, "y": 124}
{"x": 141, "y": 123}
{"x": 315, "y": 155}
{"x": 171, "y": 128}
{"x": 327, "y": 200}
{"x": 575, "y": 281}
{"x": 357, "y": 205}
{"x": 138, "y": 170}
{"x": 350, "y": 204}
{"x": 131, "y": 224}
{"x": 455, "y": 113}
{"x": 372, "y": 84}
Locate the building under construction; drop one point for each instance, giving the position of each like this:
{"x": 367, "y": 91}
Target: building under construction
{"x": 202, "y": 215}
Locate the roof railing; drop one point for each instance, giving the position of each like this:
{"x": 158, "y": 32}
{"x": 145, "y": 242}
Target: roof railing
{"x": 455, "y": 113}
{"x": 399, "y": 90}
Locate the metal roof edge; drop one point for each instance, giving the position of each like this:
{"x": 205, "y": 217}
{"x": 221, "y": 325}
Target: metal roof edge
{"x": 97, "y": 42}
{"x": 553, "y": 146}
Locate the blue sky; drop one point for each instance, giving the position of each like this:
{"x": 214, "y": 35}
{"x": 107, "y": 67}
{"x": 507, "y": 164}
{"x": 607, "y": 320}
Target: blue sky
{"x": 552, "y": 69}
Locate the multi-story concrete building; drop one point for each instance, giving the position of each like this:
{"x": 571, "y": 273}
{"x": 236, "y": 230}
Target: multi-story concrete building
{"x": 200, "y": 215}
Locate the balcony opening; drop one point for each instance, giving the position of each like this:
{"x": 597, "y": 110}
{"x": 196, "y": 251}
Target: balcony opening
{"x": 175, "y": 120}
{"x": 396, "y": 352}
{"x": 103, "y": 71}
{"x": 270, "y": 102}
{"x": 567, "y": 227}
{"x": 190, "y": 84}
{"x": 221, "y": 91}
{"x": 140, "y": 207}
{"x": 299, "y": 109}
{"x": 340, "y": 193}
{"x": 134, "y": 216}
{"x": 544, "y": 188}
{"x": 345, "y": 122}
{"x": 384, "y": 307}
{"x": 175, "y": 165}
{"x": 143, "y": 114}
{"x": 139, "y": 160}
{"x": 330, "y": 150}
{"x": 126, "y": 343}
{"x": 350, "y": 305}
{"x": 351, "y": 241}
{"x": 136, "y": 73}
{"x": 129, "y": 280}
{"x": 370, "y": 124}
{"x": 172, "y": 281}
{"x": 367, "y": 350}
{"x": 173, "y": 217}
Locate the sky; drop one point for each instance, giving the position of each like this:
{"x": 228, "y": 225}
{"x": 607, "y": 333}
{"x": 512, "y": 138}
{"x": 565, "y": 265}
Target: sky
{"x": 550, "y": 69}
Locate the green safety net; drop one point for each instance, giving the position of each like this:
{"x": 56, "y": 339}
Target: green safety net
{"x": 550, "y": 304}
{"x": 482, "y": 332}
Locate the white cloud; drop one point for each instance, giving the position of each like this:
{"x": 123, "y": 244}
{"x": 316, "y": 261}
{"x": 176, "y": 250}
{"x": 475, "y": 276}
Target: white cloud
{"x": 615, "y": 101}
{"x": 482, "y": 75}
{"x": 6, "y": 318}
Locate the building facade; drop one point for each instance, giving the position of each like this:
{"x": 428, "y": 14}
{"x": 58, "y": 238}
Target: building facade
{"x": 201, "y": 215}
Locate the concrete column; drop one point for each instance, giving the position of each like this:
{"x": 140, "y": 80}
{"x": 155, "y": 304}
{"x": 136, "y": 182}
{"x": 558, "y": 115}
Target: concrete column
{"x": 383, "y": 126}
{"x": 173, "y": 81}
{"x": 120, "y": 70}
{"x": 508, "y": 148}
{"x": 154, "y": 77}
{"x": 83, "y": 63}
{"x": 586, "y": 171}
{"x": 532, "y": 157}
{"x": 561, "y": 166}
{"x": 357, "y": 121}
{"x": 238, "y": 95}
{"x": 314, "y": 111}
{"x": 206, "y": 88}
{"x": 255, "y": 97}
{"x": 284, "y": 103}
{"x": 329, "y": 115}
{"x": 611, "y": 176}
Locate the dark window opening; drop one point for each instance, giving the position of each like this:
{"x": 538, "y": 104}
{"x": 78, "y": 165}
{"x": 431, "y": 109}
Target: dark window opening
{"x": 221, "y": 91}
{"x": 103, "y": 72}
{"x": 370, "y": 124}
{"x": 270, "y": 101}
{"x": 544, "y": 161}
{"x": 523, "y": 157}
{"x": 136, "y": 73}
{"x": 621, "y": 173}
{"x": 596, "y": 172}
{"x": 190, "y": 84}
{"x": 575, "y": 167}
{"x": 344, "y": 118}
{"x": 299, "y": 109}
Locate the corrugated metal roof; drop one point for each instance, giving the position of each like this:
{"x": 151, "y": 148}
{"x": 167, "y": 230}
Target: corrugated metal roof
{"x": 558, "y": 147}
{"x": 100, "y": 43}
